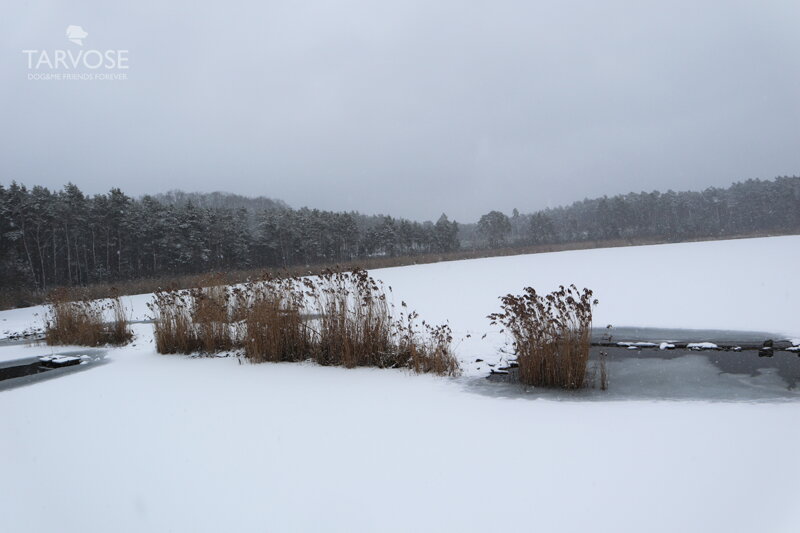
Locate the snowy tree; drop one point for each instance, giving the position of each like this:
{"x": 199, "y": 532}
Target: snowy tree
{"x": 495, "y": 228}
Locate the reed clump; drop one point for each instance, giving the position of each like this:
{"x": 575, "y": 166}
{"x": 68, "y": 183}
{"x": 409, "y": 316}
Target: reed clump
{"x": 173, "y": 325}
{"x": 353, "y": 325}
{"x": 274, "y": 327}
{"x": 430, "y": 352}
{"x": 334, "y": 319}
{"x": 75, "y": 319}
{"x": 212, "y": 314}
{"x": 118, "y": 331}
{"x": 551, "y": 336}
{"x": 200, "y": 319}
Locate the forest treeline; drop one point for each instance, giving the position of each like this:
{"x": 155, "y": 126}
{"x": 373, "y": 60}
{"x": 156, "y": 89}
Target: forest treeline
{"x": 745, "y": 208}
{"x": 55, "y": 238}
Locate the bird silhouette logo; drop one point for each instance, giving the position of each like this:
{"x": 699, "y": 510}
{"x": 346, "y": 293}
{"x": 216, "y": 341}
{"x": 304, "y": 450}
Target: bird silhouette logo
{"x": 76, "y": 34}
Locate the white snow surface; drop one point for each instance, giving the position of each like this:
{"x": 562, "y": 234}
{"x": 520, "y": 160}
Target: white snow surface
{"x": 745, "y": 284}
{"x": 171, "y": 443}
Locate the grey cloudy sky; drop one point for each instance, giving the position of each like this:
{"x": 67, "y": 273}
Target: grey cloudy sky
{"x": 407, "y": 107}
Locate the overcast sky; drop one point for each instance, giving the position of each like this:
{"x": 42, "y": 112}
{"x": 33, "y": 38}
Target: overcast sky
{"x": 409, "y": 108}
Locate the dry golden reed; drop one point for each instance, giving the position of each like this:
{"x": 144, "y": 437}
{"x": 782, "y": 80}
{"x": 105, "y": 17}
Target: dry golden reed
{"x": 336, "y": 318}
{"x": 75, "y": 319}
{"x": 551, "y": 336}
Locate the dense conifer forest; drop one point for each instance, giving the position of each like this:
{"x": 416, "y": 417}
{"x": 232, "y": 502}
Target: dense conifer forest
{"x": 54, "y": 238}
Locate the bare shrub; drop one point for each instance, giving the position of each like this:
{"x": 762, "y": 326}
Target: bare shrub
{"x": 551, "y": 335}
{"x": 73, "y": 318}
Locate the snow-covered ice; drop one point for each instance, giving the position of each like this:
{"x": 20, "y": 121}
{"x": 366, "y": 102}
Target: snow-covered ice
{"x": 59, "y": 359}
{"x": 640, "y": 344}
{"x": 702, "y": 346}
{"x": 171, "y": 443}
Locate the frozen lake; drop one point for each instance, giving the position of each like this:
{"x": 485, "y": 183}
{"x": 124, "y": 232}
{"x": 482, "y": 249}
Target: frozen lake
{"x": 682, "y": 440}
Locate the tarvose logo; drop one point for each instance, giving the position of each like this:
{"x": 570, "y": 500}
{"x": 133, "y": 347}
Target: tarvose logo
{"x": 77, "y": 64}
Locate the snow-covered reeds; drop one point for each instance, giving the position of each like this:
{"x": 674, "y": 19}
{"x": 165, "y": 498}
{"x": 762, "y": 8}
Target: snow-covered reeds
{"x": 274, "y": 328}
{"x": 430, "y": 352}
{"x": 193, "y": 320}
{"x": 75, "y": 319}
{"x": 212, "y": 316}
{"x": 355, "y": 325}
{"x": 436, "y": 355}
{"x": 173, "y": 325}
{"x": 551, "y": 336}
{"x": 118, "y": 330}
{"x": 335, "y": 319}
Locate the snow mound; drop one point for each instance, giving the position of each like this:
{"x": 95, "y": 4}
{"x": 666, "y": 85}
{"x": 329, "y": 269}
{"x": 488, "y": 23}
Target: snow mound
{"x": 702, "y": 346}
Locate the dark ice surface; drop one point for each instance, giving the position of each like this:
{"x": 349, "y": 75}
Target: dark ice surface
{"x": 678, "y": 374}
{"x": 718, "y": 336}
{"x": 29, "y": 370}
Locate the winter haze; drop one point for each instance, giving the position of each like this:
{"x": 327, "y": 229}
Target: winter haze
{"x": 408, "y": 108}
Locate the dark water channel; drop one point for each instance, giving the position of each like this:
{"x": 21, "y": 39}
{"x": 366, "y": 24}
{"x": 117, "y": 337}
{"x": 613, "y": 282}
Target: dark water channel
{"x": 29, "y": 370}
{"x": 737, "y": 352}
{"x": 735, "y": 366}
